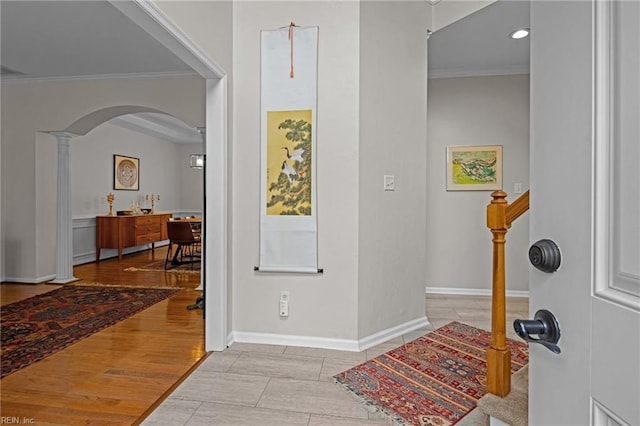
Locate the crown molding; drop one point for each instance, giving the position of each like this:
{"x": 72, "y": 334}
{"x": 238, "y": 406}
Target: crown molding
{"x": 70, "y": 79}
{"x": 453, "y": 73}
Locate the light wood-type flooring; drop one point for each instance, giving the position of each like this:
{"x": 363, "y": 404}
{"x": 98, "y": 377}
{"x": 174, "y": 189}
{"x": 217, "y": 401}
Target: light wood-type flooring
{"x": 250, "y": 384}
{"x": 117, "y": 375}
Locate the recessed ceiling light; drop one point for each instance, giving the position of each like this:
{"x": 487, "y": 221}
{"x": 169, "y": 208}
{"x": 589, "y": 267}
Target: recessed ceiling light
{"x": 520, "y": 33}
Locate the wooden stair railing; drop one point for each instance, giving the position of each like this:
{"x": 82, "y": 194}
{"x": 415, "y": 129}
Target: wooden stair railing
{"x": 500, "y": 215}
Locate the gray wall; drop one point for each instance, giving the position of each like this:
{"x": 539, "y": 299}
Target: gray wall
{"x": 371, "y": 244}
{"x": 321, "y": 306}
{"x": 475, "y": 111}
{"x": 393, "y": 141}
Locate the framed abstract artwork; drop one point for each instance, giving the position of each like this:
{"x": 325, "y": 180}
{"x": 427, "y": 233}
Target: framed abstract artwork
{"x": 474, "y": 168}
{"x": 126, "y": 173}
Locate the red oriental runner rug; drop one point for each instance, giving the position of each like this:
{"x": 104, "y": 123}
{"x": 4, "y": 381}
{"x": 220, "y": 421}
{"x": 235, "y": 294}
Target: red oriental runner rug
{"x": 434, "y": 380}
{"x": 39, "y": 326}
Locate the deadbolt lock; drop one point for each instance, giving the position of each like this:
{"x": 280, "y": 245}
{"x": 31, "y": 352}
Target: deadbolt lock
{"x": 545, "y": 255}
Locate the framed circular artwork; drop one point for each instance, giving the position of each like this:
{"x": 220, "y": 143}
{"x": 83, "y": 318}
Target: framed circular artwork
{"x": 126, "y": 173}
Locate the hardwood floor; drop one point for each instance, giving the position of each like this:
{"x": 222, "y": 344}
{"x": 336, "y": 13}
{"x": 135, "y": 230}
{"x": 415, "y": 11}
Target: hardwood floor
{"x": 118, "y": 375}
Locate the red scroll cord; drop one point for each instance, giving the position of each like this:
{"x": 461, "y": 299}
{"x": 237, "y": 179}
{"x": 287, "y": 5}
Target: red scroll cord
{"x": 291, "y": 25}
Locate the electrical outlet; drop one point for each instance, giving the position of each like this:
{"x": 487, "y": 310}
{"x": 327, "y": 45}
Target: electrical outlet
{"x": 284, "y": 308}
{"x": 284, "y": 303}
{"x": 389, "y": 183}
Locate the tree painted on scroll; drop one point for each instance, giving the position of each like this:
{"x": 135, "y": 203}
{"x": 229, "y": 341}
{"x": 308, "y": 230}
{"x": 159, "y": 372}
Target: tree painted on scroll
{"x": 289, "y": 163}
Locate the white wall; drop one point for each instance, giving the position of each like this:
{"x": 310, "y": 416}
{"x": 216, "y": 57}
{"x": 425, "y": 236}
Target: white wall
{"x": 449, "y": 11}
{"x": 46, "y": 201}
{"x": 393, "y": 141}
{"x": 164, "y": 170}
{"x": 190, "y": 180}
{"x": 475, "y": 111}
{"x": 322, "y": 306}
{"x": 30, "y": 109}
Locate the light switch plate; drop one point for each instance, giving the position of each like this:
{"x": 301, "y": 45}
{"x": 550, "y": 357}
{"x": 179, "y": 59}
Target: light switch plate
{"x": 389, "y": 183}
{"x": 517, "y": 188}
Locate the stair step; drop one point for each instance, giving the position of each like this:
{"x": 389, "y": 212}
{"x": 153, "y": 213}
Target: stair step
{"x": 513, "y": 409}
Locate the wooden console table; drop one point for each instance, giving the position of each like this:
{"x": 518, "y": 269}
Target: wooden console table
{"x": 119, "y": 232}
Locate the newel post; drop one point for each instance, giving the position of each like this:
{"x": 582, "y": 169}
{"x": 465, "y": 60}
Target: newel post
{"x": 498, "y": 356}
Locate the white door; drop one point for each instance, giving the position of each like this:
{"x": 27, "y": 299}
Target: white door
{"x": 585, "y": 196}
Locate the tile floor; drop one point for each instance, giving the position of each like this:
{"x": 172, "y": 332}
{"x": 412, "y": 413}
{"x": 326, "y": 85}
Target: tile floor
{"x": 251, "y": 384}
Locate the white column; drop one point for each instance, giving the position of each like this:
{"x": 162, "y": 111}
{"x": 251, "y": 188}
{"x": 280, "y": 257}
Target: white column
{"x": 64, "y": 248}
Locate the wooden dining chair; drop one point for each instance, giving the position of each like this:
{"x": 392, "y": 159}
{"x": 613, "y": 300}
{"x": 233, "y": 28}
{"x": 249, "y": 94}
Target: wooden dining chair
{"x": 181, "y": 234}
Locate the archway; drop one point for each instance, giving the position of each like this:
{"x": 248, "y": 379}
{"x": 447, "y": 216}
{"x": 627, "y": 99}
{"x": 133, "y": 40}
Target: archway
{"x": 150, "y": 18}
{"x": 162, "y": 144}
{"x": 85, "y": 124}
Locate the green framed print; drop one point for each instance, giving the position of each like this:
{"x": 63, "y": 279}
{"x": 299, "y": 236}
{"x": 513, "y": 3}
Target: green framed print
{"x": 474, "y": 168}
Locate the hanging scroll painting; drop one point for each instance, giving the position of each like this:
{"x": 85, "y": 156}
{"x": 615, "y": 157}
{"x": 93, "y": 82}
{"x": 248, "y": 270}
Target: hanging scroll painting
{"x": 289, "y": 162}
{"x": 288, "y": 220}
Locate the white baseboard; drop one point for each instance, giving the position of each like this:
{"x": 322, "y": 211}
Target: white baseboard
{"x": 292, "y": 340}
{"x": 393, "y": 332}
{"x": 23, "y": 280}
{"x": 472, "y": 291}
{"x": 327, "y": 343}
{"x": 81, "y": 259}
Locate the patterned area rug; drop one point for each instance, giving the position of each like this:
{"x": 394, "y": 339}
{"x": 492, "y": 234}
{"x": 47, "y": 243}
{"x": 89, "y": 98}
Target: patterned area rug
{"x": 39, "y": 326}
{"x": 434, "y": 380}
{"x": 158, "y": 266}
